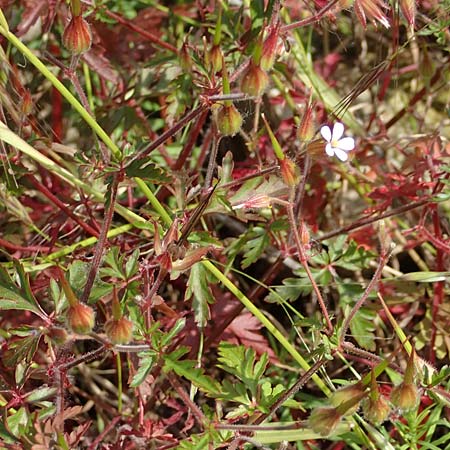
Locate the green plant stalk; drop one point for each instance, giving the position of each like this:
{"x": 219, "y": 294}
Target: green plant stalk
{"x": 88, "y": 84}
{"x": 119, "y": 382}
{"x": 266, "y": 322}
{"x": 13, "y": 139}
{"x": 275, "y": 144}
{"x": 61, "y": 88}
{"x": 153, "y": 201}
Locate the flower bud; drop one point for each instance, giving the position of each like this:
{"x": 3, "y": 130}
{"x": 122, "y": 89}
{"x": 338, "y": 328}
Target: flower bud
{"x": 408, "y": 8}
{"x": 307, "y": 126}
{"x": 347, "y": 398}
{"x": 405, "y": 396}
{"x": 324, "y": 420}
{"x": 57, "y": 335}
{"x": 77, "y": 37}
{"x": 119, "y": 331}
{"x": 81, "y": 318}
{"x": 254, "y": 81}
{"x": 229, "y": 120}
{"x": 185, "y": 59}
{"x": 215, "y": 58}
{"x": 315, "y": 148}
{"x": 269, "y": 49}
{"x": 289, "y": 171}
{"x": 376, "y": 410}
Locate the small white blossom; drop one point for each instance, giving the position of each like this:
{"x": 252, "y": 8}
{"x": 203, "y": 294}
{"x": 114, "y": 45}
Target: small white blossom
{"x": 337, "y": 145}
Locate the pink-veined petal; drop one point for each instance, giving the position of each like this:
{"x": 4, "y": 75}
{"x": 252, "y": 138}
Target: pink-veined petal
{"x": 341, "y": 154}
{"x": 347, "y": 144}
{"x": 326, "y": 133}
{"x": 329, "y": 150}
{"x": 338, "y": 131}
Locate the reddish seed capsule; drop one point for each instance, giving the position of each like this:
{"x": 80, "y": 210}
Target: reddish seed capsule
{"x": 119, "y": 331}
{"x": 229, "y": 120}
{"x": 77, "y": 37}
{"x": 81, "y": 318}
{"x": 255, "y": 81}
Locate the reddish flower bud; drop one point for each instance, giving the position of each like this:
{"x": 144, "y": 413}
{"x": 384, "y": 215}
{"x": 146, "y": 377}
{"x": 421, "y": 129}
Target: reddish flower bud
{"x": 289, "y": 171}
{"x": 408, "y": 8}
{"x": 77, "y": 37}
{"x": 306, "y": 130}
{"x": 215, "y": 58}
{"x": 119, "y": 331}
{"x": 254, "y": 81}
{"x": 185, "y": 59}
{"x": 58, "y": 335}
{"x": 269, "y": 49}
{"x": 405, "y": 396}
{"x": 324, "y": 420}
{"x": 373, "y": 9}
{"x": 81, "y": 318}
{"x": 229, "y": 120}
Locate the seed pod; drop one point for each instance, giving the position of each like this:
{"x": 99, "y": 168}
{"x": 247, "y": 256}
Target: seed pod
{"x": 254, "y": 81}
{"x": 77, "y": 37}
{"x": 324, "y": 420}
{"x": 81, "y": 318}
{"x": 229, "y": 120}
{"x": 119, "y": 331}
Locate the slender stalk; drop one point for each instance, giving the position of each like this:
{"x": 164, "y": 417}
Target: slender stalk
{"x": 304, "y": 262}
{"x": 101, "y": 242}
{"x": 385, "y": 255}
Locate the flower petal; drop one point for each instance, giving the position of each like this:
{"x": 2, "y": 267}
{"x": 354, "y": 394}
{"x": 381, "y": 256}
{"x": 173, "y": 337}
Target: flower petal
{"x": 326, "y": 133}
{"x": 329, "y": 150}
{"x": 338, "y": 131}
{"x": 347, "y": 144}
{"x": 341, "y": 154}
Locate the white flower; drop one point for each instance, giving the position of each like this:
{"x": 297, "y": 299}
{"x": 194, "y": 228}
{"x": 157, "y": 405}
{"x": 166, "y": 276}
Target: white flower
{"x": 337, "y": 145}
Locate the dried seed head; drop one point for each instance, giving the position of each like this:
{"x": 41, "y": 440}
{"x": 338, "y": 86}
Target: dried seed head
{"x": 255, "y": 81}
{"x": 229, "y": 120}
{"x": 77, "y": 37}
{"x": 81, "y": 318}
{"x": 119, "y": 331}
{"x": 307, "y": 126}
{"x": 408, "y": 8}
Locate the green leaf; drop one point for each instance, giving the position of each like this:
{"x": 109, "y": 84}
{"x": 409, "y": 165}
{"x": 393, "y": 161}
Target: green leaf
{"x": 362, "y": 327}
{"x": 254, "y": 248}
{"x": 18, "y": 297}
{"x": 132, "y": 264}
{"x": 143, "y": 168}
{"x": 198, "y": 288}
{"x": 40, "y": 394}
{"x": 425, "y": 277}
{"x": 167, "y": 338}
{"x": 195, "y": 375}
{"x": 146, "y": 362}
{"x": 17, "y": 422}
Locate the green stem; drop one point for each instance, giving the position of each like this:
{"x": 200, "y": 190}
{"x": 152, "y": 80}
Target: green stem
{"x": 62, "y": 89}
{"x": 153, "y": 201}
{"x": 266, "y": 322}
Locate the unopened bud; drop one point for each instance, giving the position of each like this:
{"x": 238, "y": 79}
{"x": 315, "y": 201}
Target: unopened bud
{"x": 81, "y": 318}
{"x": 316, "y": 148}
{"x": 346, "y": 399}
{"x": 405, "y": 396}
{"x": 376, "y": 410}
{"x": 58, "y": 335}
{"x": 269, "y": 49}
{"x": 289, "y": 171}
{"x": 306, "y": 130}
{"x": 254, "y": 81}
{"x": 215, "y": 58}
{"x": 77, "y": 37}
{"x": 119, "y": 331}
{"x": 229, "y": 120}
{"x": 408, "y": 8}
{"x": 324, "y": 420}
{"x": 27, "y": 102}
{"x": 185, "y": 59}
